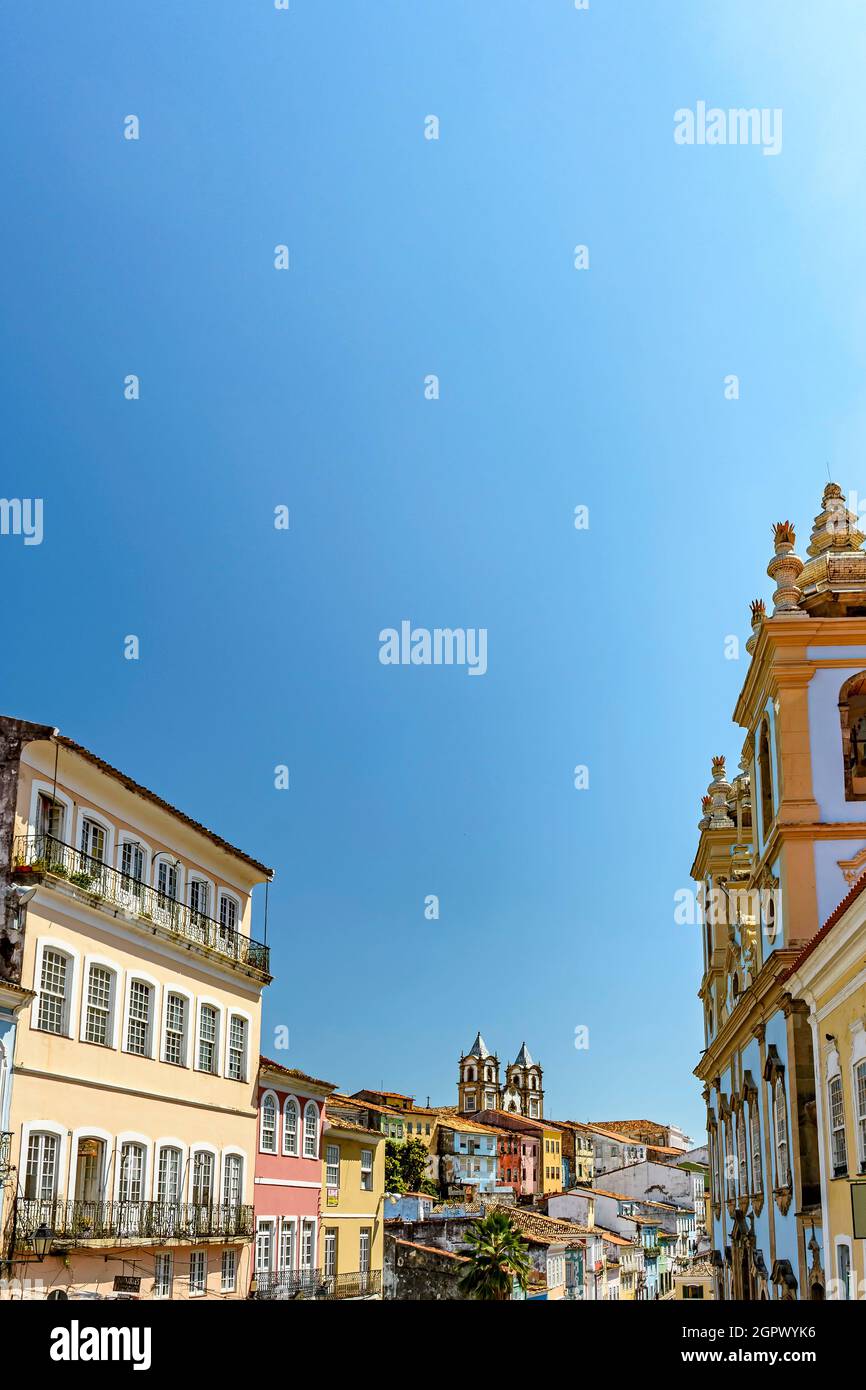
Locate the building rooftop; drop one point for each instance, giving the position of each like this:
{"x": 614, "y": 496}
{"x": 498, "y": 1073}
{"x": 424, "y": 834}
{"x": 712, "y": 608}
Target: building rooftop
{"x": 268, "y": 1064}
{"x": 148, "y": 795}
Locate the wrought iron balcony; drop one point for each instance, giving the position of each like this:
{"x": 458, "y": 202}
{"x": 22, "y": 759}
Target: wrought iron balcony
{"x": 294, "y": 1284}
{"x": 43, "y": 854}
{"x": 5, "y": 1154}
{"x": 74, "y": 1223}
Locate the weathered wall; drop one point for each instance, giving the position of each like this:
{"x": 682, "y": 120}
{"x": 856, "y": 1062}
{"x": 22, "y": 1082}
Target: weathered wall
{"x": 419, "y": 1274}
{"x": 14, "y": 734}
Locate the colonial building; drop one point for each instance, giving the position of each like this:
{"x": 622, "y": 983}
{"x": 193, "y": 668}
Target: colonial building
{"x": 133, "y": 1112}
{"x": 830, "y": 977}
{"x": 780, "y": 845}
{"x": 288, "y": 1185}
{"x": 479, "y": 1086}
{"x": 353, "y": 1198}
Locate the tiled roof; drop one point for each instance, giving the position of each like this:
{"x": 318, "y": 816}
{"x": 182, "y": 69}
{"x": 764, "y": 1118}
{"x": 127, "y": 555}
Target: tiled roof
{"x": 831, "y": 921}
{"x": 543, "y": 1230}
{"x": 613, "y": 1236}
{"x": 432, "y": 1250}
{"x": 333, "y": 1121}
{"x": 148, "y": 795}
{"x": 268, "y": 1064}
{"x": 605, "y": 1133}
{"x": 633, "y": 1129}
{"x": 461, "y": 1125}
{"x": 357, "y": 1104}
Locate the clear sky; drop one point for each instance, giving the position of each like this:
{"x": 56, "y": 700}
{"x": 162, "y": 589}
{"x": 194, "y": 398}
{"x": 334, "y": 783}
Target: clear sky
{"x": 558, "y": 387}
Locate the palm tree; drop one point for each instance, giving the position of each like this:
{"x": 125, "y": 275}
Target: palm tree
{"x": 498, "y": 1257}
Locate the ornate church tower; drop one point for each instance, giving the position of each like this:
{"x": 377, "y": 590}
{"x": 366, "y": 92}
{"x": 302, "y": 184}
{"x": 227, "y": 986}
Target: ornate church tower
{"x": 524, "y": 1093}
{"x": 478, "y": 1080}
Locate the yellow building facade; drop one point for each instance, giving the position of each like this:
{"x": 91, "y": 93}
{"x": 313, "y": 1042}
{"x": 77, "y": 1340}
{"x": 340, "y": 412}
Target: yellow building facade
{"x": 133, "y": 1117}
{"x": 351, "y": 1237}
{"x": 550, "y": 1160}
{"x": 830, "y": 976}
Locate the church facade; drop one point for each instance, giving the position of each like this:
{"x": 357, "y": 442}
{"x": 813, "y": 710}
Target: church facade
{"x": 480, "y": 1085}
{"x": 781, "y": 844}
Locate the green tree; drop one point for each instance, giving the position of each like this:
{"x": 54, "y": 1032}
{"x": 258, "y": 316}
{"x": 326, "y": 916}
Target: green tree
{"x": 394, "y": 1180}
{"x": 405, "y": 1166}
{"x": 498, "y": 1258}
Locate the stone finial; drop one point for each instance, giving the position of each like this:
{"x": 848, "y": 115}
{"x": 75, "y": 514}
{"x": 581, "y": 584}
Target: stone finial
{"x": 835, "y": 527}
{"x": 706, "y": 808}
{"x": 718, "y": 792}
{"x": 759, "y": 613}
{"x": 784, "y": 569}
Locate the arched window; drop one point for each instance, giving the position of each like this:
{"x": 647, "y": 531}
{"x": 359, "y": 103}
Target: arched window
{"x": 291, "y": 1116}
{"x": 780, "y": 1118}
{"x": 40, "y": 1181}
{"x": 860, "y": 1111}
{"x": 838, "y": 1145}
{"x": 203, "y": 1169}
{"x": 852, "y": 721}
{"x": 169, "y": 1174}
{"x": 268, "y": 1123}
{"x": 766, "y": 778}
{"x": 90, "y": 1170}
{"x": 742, "y": 1152}
{"x": 55, "y": 991}
{"x": 311, "y": 1130}
{"x": 755, "y": 1145}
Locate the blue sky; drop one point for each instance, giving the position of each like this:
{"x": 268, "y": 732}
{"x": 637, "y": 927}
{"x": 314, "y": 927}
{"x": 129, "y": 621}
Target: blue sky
{"x": 305, "y": 388}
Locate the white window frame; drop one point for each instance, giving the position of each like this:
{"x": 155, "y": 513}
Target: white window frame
{"x": 39, "y": 788}
{"x": 59, "y": 1134}
{"x": 859, "y": 1113}
{"x": 837, "y": 1130}
{"x": 200, "y": 1290}
{"x": 216, "y": 1173}
{"x": 174, "y": 862}
{"x": 308, "y": 1223}
{"x": 204, "y": 1001}
{"x": 232, "y": 897}
{"x": 269, "y": 1095}
{"x": 265, "y": 1224}
{"x": 190, "y": 1014}
{"x": 288, "y": 1226}
{"x": 140, "y": 977}
{"x": 147, "y": 1172}
{"x": 73, "y": 982}
{"x": 241, "y": 1155}
{"x": 311, "y": 1105}
{"x": 196, "y": 876}
{"x": 163, "y": 1259}
{"x": 332, "y": 1162}
{"x": 248, "y": 1032}
{"x": 299, "y": 1117}
{"x": 368, "y": 1169}
{"x": 229, "y": 1285}
{"x": 178, "y": 1146}
{"x": 91, "y": 1132}
{"x": 87, "y": 813}
{"x": 102, "y": 963}
{"x": 127, "y": 837}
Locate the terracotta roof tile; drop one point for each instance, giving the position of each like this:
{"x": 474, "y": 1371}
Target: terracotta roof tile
{"x": 268, "y": 1064}
{"x": 148, "y": 795}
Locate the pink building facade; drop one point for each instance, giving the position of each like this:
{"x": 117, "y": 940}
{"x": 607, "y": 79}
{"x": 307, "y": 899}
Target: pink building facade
{"x": 288, "y": 1183}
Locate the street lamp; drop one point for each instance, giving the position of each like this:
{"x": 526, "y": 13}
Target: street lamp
{"x": 42, "y": 1238}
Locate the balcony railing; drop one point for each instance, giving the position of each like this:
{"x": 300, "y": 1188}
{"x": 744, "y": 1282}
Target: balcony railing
{"x": 5, "y": 1154}
{"x": 316, "y": 1284}
{"x": 47, "y": 855}
{"x": 78, "y": 1222}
